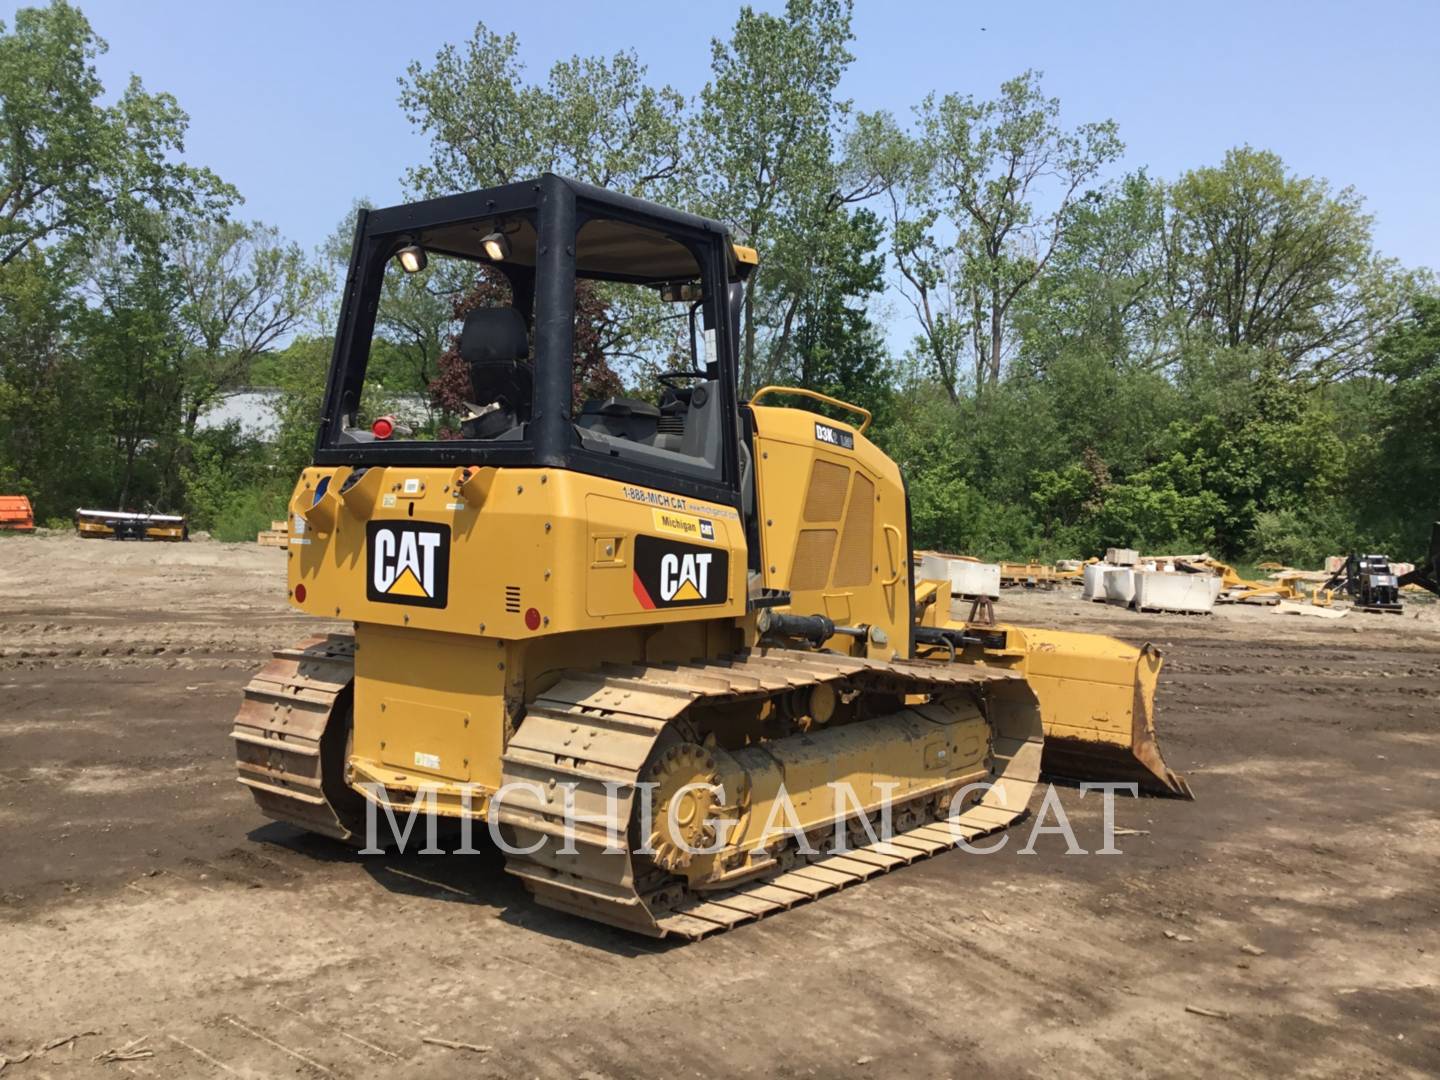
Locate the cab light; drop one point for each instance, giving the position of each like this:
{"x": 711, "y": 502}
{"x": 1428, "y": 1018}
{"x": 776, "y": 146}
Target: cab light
{"x": 412, "y": 259}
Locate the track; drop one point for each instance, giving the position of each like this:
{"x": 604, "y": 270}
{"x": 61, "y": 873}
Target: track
{"x": 597, "y": 728}
{"x": 282, "y": 754}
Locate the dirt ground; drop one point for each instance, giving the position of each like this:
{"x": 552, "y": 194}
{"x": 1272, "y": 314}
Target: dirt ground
{"x": 142, "y": 895}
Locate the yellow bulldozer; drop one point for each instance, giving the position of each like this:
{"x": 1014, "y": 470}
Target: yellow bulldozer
{"x": 647, "y": 645}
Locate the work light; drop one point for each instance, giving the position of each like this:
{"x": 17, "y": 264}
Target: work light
{"x": 497, "y": 247}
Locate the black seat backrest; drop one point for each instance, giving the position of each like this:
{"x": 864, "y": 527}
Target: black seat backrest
{"x": 494, "y": 344}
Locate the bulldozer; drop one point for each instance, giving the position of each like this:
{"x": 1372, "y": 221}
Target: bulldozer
{"x": 667, "y": 653}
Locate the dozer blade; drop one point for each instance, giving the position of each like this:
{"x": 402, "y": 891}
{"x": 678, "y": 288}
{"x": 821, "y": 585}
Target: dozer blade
{"x": 1097, "y": 702}
{"x": 1096, "y": 695}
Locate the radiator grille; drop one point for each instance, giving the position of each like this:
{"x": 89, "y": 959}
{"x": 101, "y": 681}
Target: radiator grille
{"x": 813, "y": 550}
{"x": 826, "y": 498}
{"x": 856, "y": 563}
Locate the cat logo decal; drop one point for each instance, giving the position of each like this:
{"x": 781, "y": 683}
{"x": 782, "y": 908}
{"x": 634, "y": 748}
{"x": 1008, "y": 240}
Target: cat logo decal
{"x": 672, "y": 574}
{"x": 408, "y": 562}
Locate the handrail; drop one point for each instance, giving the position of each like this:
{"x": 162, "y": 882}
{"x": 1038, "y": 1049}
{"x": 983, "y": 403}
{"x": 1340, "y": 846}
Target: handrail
{"x": 894, "y": 579}
{"x": 815, "y": 395}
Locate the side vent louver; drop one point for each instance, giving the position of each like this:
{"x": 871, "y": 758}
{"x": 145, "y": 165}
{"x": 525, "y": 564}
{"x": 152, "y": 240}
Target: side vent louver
{"x": 512, "y": 599}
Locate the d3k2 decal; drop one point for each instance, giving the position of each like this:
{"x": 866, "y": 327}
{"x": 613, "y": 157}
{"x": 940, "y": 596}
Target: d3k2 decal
{"x": 834, "y": 436}
{"x": 407, "y": 562}
{"x": 671, "y": 574}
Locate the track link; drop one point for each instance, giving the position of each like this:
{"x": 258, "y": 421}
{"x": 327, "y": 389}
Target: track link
{"x": 598, "y": 727}
{"x": 294, "y": 714}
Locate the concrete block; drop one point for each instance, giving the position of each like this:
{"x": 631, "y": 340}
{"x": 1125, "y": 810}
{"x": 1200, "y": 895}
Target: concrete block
{"x": 1175, "y": 592}
{"x": 1093, "y": 581}
{"x": 1120, "y": 585}
{"x": 967, "y": 579}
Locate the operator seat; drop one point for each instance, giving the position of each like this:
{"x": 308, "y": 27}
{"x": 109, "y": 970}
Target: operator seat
{"x": 494, "y": 343}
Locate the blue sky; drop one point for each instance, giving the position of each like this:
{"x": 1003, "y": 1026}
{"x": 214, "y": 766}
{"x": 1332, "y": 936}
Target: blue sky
{"x": 295, "y": 103}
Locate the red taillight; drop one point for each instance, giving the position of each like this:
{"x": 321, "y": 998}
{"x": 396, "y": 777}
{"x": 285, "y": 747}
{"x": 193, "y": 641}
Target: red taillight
{"x": 299, "y": 594}
{"x": 384, "y": 427}
{"x": 532, "y": 619}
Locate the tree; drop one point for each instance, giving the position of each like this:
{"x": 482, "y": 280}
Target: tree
{"x": 38, "y": 415}
{"x": 1265, "y": 259}
{"x": 595, "y": 119}
{"x": 244, "y": 291}
{"x": 134, "y": 368}
{"x": 837, "y": 349}
{"x": 769, "y": 118}
{"x": 1409, "y": 458}
{"x": 966, "y": 234}
{"x": 1103, "y": 290}
{"x": 70, "y": 167}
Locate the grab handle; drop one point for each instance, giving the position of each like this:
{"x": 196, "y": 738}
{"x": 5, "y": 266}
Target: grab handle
{"x": 899, "y": 559}
{"x": 815, "y": 395}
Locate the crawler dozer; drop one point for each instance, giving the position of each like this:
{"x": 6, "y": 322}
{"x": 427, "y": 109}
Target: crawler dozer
{"x": 568, "y": 614}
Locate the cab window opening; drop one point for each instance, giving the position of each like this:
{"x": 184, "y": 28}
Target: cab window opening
{"x": 452, "y": 354}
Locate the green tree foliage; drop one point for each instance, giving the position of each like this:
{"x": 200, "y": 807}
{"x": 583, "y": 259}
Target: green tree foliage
{"x": 1264, "y": 259}
{"x": 132, "y": 372}
{"x": 1408, "y": 453}
{"x": 71, "y": 167}
{"x": 1214, "y": 357}
{"x": 769, "y": 120}
{"x": 595, "y": 119}
{"x": 1220, "y": 360}
{"x": 1103, "y": 292}
{"x": 244, "y": 290}
{"x": 836, "y": 347}
{"x": 968, "y": 234}
{"x": 39, "y": 437}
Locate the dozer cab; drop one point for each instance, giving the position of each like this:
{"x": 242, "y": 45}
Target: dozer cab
{"x": 649, "y": 645}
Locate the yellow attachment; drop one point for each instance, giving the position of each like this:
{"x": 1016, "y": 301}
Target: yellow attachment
{"x": 1096, "y": 695}
{"x": 104, "y": 524}
{"x": 1097, "y": 703}
{"x": 815, "y": 395}
{"x": 1238, "y": 590}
